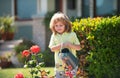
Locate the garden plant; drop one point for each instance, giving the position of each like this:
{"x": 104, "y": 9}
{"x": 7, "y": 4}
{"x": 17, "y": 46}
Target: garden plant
{"x": 100, "y": 40}
{"x": 34, "y": 62}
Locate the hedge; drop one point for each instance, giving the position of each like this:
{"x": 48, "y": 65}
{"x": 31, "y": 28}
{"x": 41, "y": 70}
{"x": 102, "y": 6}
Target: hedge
{"x": 100, "y": 42}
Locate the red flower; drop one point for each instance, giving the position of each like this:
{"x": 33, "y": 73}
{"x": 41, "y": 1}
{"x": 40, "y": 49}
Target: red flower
{"x": 26, "y": 53}
{"x": 70, "y": 67}
{"x": 35, "y": 49}
{"x": 19, "y": 75}
{"x": 69, "y": 74}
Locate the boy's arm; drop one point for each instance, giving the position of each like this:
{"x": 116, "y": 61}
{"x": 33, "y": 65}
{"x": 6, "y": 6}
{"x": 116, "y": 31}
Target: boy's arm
{"x": 73, "y": 46}
{"x": 56, "y": 47}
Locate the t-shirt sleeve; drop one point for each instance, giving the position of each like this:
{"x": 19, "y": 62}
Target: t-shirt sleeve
{"x": 75, "y": 38}
{"x": 52, "y": 42}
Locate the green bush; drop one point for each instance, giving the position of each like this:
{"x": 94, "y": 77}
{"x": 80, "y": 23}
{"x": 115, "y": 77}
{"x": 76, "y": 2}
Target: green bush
{"x": 48, "y": 58}
{"x": 24, "y": 45}
{"x": 102, "y": 41}
{"x": 47, "y": 18}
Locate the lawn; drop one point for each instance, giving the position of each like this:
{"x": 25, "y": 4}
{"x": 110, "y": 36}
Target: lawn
{"x": 10, "y": 72}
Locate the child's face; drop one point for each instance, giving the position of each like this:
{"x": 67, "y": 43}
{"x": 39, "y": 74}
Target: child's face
{"x": 59, "y": 27}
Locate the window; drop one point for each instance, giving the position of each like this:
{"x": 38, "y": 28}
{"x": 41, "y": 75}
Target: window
{"x": 105, "y": 7}
{"x": 71, "y": 4}
{"x": 25, "y": 9}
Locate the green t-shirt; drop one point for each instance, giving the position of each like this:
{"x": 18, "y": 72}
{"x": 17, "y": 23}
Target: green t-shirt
{"x": 58, "y": 39}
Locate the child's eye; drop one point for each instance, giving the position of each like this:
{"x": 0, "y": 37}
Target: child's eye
{"x": 56, "y": 25}
{"x": 61, "y": 25}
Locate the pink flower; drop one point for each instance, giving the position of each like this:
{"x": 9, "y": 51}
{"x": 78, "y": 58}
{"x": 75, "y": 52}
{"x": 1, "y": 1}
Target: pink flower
{"x": 19, "y": 75}
{"x": 26, "y": 53}
{"x": 35, "y": 49}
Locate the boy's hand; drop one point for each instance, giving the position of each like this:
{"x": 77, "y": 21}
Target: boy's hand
{"x": 72, "y": 46}
{"x": 67, "y": 45}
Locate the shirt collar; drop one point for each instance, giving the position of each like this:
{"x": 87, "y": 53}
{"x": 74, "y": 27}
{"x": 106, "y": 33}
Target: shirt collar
{"x": 62, "y": 34}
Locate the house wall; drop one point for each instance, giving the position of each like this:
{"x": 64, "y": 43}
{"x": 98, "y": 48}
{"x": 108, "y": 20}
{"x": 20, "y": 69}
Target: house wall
{"x": 51, "y": 5}
{"x": 71, "y": 12}
{"x": 24, "y": 30}
{"x": 5, "y": 7}
{"x": 33, "y": 30}
{"x": 39, "y": 33}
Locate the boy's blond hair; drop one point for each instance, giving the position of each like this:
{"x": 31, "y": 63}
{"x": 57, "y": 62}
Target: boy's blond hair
{"x": 59, "y": 16}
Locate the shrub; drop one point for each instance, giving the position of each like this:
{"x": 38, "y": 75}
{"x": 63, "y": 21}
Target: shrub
{"x": 101, "y": 45}
{"x": 24, "y": 45}
{"x": 48, "y": 58}
{"x": 48, "y": 17}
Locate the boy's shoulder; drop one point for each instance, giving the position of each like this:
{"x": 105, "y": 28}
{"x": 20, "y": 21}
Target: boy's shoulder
{"x": 73, "y": 33}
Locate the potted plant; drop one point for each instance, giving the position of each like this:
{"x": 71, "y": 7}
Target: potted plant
{"x": 7, "y": 28}
{"x": 5, "y": 60}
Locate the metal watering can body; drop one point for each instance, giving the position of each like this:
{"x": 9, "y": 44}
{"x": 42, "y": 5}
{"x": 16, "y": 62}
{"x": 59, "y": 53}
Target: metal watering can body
{"x": 68, "y": 58}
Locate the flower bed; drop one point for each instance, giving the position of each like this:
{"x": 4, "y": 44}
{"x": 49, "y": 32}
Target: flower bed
{"x": 34, "y": 62}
